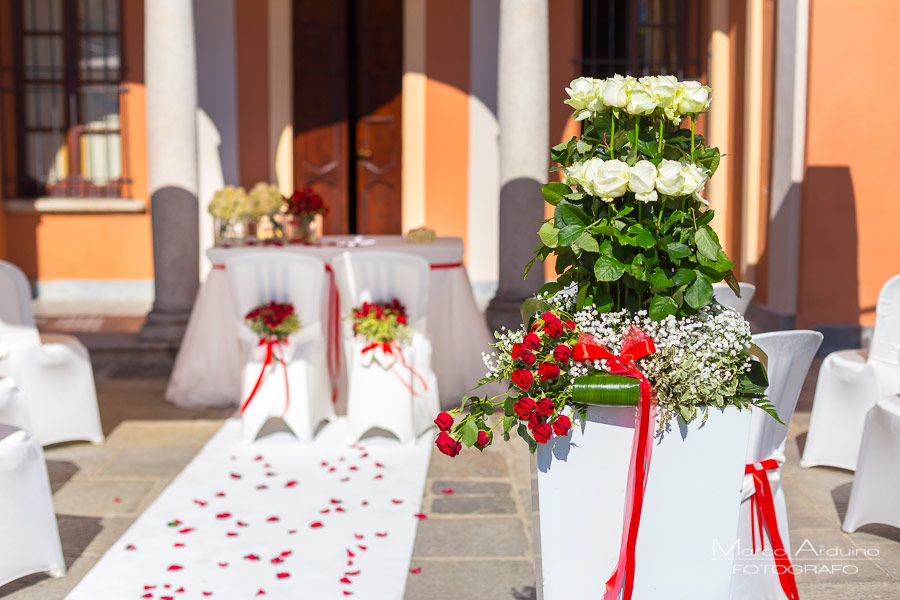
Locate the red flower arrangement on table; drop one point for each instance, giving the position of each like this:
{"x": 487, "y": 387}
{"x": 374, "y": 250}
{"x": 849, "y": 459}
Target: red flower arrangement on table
{"x": 273, "y": 322}
{"x": 538, "y": 393}
{"x": 384, "y": 326}
{"x": 303, "y": 206}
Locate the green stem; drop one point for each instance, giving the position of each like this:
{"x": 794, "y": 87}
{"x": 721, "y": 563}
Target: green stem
{"x": 640, "y": 216}
{"x": 692, "y": 139}
{"x": 637, "y": 122}
{"x": 661, "y": 211}
{"x": 662, "y": 132}
{"x": 612, "y": 140}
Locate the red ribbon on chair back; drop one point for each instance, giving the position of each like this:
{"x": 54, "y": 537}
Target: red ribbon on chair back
{"x": 334, "y": 332}
{"x": 389, "y": 348}
{"x": 270, "y": 344}
{"x": 761, "y": 503}
{"x": 635, "y": 344}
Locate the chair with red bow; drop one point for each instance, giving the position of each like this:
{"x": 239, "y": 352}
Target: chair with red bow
{"x": 763, "y": 572}
{"x": 288, "y": 380}
{"x": 53, "y": 371}
{"x": 402, "y": 398}
{"x": 29, "y": 537}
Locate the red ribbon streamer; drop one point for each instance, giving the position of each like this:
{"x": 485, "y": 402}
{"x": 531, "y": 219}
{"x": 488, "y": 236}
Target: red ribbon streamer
{"x": 635, "y": 344}
{"x": 389, "y": 348}
{"x": 270, "y": 344}
{"x": 334, "y": 332}
{"x": 455, "y": 265}
{"x": 761, "y": 503}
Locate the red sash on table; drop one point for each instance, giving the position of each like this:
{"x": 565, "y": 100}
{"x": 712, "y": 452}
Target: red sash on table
{"x": 761, "y": 503}
{"x": 635, "y": 344}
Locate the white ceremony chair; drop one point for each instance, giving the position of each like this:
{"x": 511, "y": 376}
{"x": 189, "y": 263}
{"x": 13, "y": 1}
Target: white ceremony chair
{"x": 12, "y": 405}
{"x": 29, "y": 537}
{"x": 261, "y": 277}
{"x": 726, "y": 296}
{"x": 850, "y": 383}
{"x": 394, "y": 400}
{"x": 790, "y": 355}
{"x": 53, "y": 371}
{"x": 875, "y": 497}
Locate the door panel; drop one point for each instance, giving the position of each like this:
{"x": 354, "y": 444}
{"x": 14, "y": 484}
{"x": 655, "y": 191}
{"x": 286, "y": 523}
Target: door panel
{"x": 320, "y": 106}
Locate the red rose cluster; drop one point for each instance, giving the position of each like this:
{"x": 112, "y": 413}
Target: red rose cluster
{"x": 381, "y": 311}
{"x": 306, "y": 203}
{"x": 272, "y": 314}
{"x": 538, "y": 415}
{"x": 449, "y": 446}
{"x": 552, "y": 328}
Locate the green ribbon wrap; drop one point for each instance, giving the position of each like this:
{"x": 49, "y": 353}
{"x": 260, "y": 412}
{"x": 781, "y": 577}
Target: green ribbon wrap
{"x": 605, "y": 389}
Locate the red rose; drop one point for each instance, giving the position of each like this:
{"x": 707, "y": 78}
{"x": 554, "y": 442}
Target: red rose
{"x": 531, "y": 341}
{"x": 444, "y": 421}
{"x": 542, "y": 433}
{"x": 484, "y": 439}
{"x": 547, "y": 371}
{"x": 570, "y": 325}
{"x": 562, "y": 354}
{"x": 552, "y": 325}
{"x": 561, "y": 425}
{"x": 401, "y": 319}
{"x": 544, "y": 407}
{"x": 516, "y": 352}
{"x": 535, "y": 421}
{"x": 523, "y": 378}
{"x": 528, "y": 357}
{"x": 447, "y": 444}
{"x": 524, "y": 407}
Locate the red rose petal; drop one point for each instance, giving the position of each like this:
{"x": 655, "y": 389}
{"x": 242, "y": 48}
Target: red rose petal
{"x": 341, "y": 459}
{"x": 420, "y": 516}
{"x": 447, "y": 491}
{"x": 132, "y": 547}
{"x": 324, "y": 463}
{"x": 270, "y": 474}
{"x": 167, "y": 598}
{"x": 223, "y": 515}
{"x": 147, "y": 595}
{"x": 357, "y": 536}
{"x": 258, "y": 458}
{"x": 379, "y": 465}
{"x": 416, "y": 571}
{"x": 241, "y": 524}
{"x": 186, "y": 530}
{"x": 117, "y": 499}
{"x": 350, "y": 553}
{"x": 282, "y": 575}
{"x": 267, "y": 465}
{"x": 179, "y": 590}
{"x": 207, "y": 593}
{"x": 223, "y": 564}
{"x": 231, "y": 534}
{"x": 261, "y": 592}
{"x": 276, "y": 560}
{"x": 361, "y": 547}
{"x": 290, "y": 483}
{"x": 349, "y": 563}
{"x": 339, "y": 509}
{"x": 395, "y": 501}
{"x": 179, "y": 545}
{"x": 354, "y": 468}
{"x": 324, "y": 511}
{"x": 365, "y": 502}
{"x": 220, "y": 495}
{"x": 272, "y": 520}
{"x": 149, "y": 587}
{"x": 175, "y": 567}
{"x": 335, "y": 501}
{"x": 381, "y": 534}
{"x": 332, "y": 469}
{"x": 346, "y": 593}
{"x": 345, "y": 580}
{"x": 262, "y": 487}
{"x": 292, "y": 531}
{"x": 251, "y": 557}
{"x": 344, "y": 479}
{"x": 316, "y": 524}
{"x": 352, "y": 573}
{"x": 379, "y": 476}
{"x": 235, "y": 476}
{"x": 200, "y": 503}
{"x": 287, "y": 553}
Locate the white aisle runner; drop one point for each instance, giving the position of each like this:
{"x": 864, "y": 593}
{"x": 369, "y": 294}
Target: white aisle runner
{"x": 275, "y": 519}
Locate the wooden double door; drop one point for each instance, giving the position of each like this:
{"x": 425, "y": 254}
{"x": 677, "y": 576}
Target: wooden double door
{"x": 348, "y": 69}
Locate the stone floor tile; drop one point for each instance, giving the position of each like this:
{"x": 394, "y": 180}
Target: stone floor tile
{"x": 469, "y": 464}
{"x": 76, "y": 532}
{"x": 98, "y": 497}
{"x": 469, "y": 487}
{"x": 485, "y": 579}
{"x": 158, "y": 433}
{"x": 111, "y": 529}
{"x": 476, "y": 536}
{"x": 150, "y": 462}
{"x": 86, "y": 457}
{"x": 851, "y": 591}
{"x": 829, "y": 556}
{"x": 474, "y": 505}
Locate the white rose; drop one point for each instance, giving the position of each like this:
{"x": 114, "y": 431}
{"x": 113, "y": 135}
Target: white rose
{"x": 608, "y": 179}
{"x": 694, "y": 180}
{"x": 640, "y": 101}
{"x": 668, "y": 177}
{"x": 694, "y": 98}
{"x": 615, "y": 91}
{"x": 665, "y": 89}
{"x": 584, "y": 97}
{"x": 642, "y": 177}
{"x": 650, "y": 196}
{"x": 575, "y": 174}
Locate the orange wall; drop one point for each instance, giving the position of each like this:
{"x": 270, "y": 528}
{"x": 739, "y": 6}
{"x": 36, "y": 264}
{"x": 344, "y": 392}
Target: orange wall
{"x": 96, "y": 246}
{"x": 848, "y": 241}
{"x": 447, "y": 117}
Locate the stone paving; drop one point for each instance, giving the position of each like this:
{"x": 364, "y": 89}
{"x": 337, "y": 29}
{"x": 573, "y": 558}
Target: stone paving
{"x": 476, "y": 541}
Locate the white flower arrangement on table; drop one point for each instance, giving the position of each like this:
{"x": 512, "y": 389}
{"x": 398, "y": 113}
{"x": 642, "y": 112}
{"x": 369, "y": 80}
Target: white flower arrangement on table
{"x": 264, "y": 200}
{"x": 231, "y": 203}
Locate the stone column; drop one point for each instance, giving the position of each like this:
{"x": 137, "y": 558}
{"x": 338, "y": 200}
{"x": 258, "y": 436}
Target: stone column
{"x": 171, "y": 83}
{"x": 523, "y": 110}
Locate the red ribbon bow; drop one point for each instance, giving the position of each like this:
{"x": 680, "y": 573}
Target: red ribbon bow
{"x": 635, "y": 344}
{"x": 762, "y": 508}
{"x": 270, "y": 344}
{"x": 389, "y": 348}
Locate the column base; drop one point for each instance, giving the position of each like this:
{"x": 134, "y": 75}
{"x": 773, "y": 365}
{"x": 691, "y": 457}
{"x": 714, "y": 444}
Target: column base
{"x": 504, "y": 311}
{"x": 164, "y": 327}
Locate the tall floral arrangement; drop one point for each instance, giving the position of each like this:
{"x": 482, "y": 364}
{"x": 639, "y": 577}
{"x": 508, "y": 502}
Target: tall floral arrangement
{"x": 634, "y": 251}
{"x": 231, "y": 203}
{"x": 264, "y": 200}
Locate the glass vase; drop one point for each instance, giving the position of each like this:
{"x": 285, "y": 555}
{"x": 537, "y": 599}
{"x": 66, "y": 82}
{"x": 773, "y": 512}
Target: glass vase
{"x": 228, "y": 232}
{"x": 303, "y": 230}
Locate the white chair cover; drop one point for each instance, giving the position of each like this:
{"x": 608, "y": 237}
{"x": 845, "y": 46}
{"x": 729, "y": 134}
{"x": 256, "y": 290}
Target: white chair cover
{"x": 258, "y": 278}
{"x": 53, "y": 371}
{"x": 12, "y": 405}
{"x": 790, "y": 355}
{"x": 726, "y": 296}
{"x": 850, "y": 383}
{"x": 875, "y": 497}
{"x": 376, "y": 397}
{"x": 29, "y": 538}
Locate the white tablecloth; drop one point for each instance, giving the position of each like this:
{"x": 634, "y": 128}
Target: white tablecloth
{"x": 207, "y": 368}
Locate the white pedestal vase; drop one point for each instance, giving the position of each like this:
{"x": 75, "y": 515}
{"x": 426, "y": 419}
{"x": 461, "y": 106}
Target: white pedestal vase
{"x": 690, "y": 513}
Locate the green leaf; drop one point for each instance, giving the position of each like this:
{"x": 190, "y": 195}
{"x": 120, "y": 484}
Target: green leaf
{"x": 645, "y": 239}
{"x": 683, "y": 276}
{"x": 528, "y": 266}
{"x": 583, "y": 147}
{"x": 659, "y": 279}
{"x": 661, "y": 307}
{"x": 508, "y": 421}
{"x": 509, "y": 407}
{"x": 574, "y": 215}
{"x": 760, "y": 354}
{"x": 608, "y": 269}
{"x": 531, "y": 307}
{"x": 550, "y": 288}
{"x": 699, "y": 293}
{"x": 678, "y": 250}
{"x": 732, "y": 282}
{"x": 523, "y": 433}
{"x": 587, "y": 243}
{"x": 554, "y": 192}
{"x": 549, "y": 235}
{"x": 568, "y": 234}
{"x": 469, "y": 433}
{"x": 706, "y": 245}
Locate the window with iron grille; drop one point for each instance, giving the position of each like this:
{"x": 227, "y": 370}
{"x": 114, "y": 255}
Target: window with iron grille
{"x": 643, "y": 37}
{"x": 60, "y": 89}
